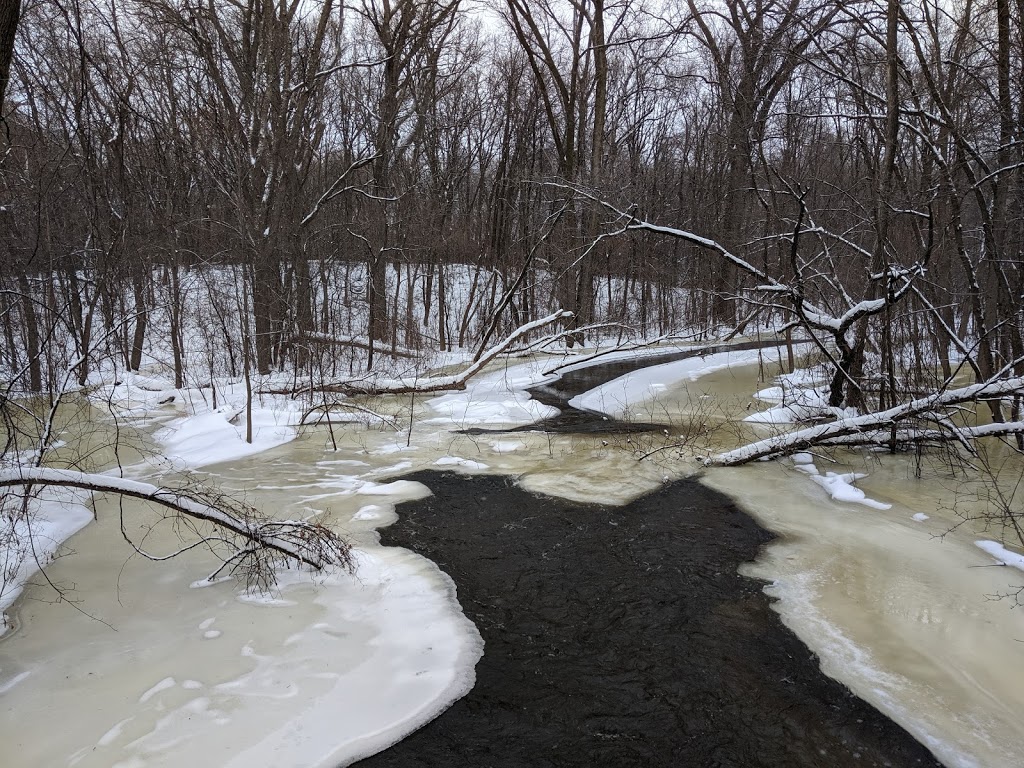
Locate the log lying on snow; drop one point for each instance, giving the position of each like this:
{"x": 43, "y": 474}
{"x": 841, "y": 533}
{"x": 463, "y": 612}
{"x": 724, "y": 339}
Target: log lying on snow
{"x": 297, "y": 541}
{"x": 400, "y": 386}
{"x": 876, "y": 427}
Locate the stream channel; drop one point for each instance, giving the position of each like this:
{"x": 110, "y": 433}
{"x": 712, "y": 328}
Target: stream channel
{"x": 624, "y": 636}
{"x": 623, "y": 606}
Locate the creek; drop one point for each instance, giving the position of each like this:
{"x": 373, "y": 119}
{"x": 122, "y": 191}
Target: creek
{"x": 159, "y": 673}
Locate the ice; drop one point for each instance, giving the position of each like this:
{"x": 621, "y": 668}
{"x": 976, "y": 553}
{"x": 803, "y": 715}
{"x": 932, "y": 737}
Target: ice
{"x": 114, "y": 733}
{"x": 368, "y": 512}
{"x": 840, "y": 487}
{"x": 163, "y": 685}
{"x": 27, "y": 544}
{"x": 455, "y": 461}
{"x": 407, "y": 489}
{"x": 393, "y": 448}
{"x": 494, "y": 398}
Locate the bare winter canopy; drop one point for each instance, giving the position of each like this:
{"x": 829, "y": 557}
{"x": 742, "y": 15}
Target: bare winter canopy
{"x": 275, "y": 185}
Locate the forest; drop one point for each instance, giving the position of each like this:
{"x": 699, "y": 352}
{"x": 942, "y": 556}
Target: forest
{"x": 329, "y": 173}
{"x": 226, "y": 225}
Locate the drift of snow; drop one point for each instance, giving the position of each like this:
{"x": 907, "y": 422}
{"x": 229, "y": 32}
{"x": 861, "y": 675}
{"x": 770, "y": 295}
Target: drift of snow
{"x": 508, "y": 446}
{"x": 797, "y": 398}
{"x": 210, "y": 438}
{"x": 795, "y": 404}
{"x": 840, "y": 487}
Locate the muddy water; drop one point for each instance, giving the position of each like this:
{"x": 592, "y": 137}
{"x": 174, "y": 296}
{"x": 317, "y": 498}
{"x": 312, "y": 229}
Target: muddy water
{"x": 893, "y": 612}
{"x": 146, "y": 670}
{"x": 897, "y": 609}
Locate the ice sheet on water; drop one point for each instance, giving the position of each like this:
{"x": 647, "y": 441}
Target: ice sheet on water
{"x": 456, "y": 461}
{"x": 26, "y": 543}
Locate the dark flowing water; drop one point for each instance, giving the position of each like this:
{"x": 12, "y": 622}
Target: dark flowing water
{"x": 624, "y": 636}
{"x": 571, "y": 383}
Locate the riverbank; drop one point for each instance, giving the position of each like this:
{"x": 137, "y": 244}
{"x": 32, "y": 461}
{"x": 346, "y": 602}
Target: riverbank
{"x": 625, "y": 636}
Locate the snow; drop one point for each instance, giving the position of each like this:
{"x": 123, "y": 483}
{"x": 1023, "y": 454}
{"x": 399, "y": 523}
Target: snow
{"x": 840, "y": 487}
{"x": 404, "y": 679}
{"x": 209, "y": 438}
{"x": 455, "y": 461}
{"x": 795, "y": 404}
{"x": 26, "y": 544}
{"x": 1001, "y": 553}
{"x": 363, "y": 660}
{"x": 616, "y": 398}
{"x": 798, "y": 397}
{"x": 919, "y": 517}
{"x": 507, "y": 446}
{"x": 329, "y": 694}
{"x": 494, "y": 398}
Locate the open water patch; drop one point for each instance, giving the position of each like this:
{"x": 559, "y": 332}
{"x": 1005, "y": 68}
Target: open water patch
{"x": 625, "y": 636}
{"x": 577, "y": 380}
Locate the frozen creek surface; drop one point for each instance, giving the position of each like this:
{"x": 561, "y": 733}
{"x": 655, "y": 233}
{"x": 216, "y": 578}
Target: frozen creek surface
{"x": 307, "y": 676}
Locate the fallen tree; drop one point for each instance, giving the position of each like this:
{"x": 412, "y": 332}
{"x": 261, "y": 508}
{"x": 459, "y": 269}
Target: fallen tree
{"x": 253, "y": 544}
{"x": 884, "y": 427}
{"x": 381, "y": 385}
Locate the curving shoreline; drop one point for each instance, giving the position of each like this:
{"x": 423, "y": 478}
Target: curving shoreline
{"x": 625, "y": 636}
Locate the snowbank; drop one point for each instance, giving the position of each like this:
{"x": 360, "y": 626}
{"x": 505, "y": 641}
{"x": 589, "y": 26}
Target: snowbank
{"x": 208, "y": 438}
{"x": 26, "y": 545}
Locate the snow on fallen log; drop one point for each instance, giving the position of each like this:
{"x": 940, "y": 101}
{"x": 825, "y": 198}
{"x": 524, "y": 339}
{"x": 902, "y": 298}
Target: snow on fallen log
{"x": 404, "y": 385}
{"x": 291, "y": 540}
{"x": 864, "y": 428}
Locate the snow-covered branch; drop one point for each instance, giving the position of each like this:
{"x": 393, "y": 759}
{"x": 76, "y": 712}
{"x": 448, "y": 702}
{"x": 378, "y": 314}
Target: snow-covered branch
{"x": 403, "y": 385}
{"x": 856, "y": 429}
{"x": 299, "y": 542}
